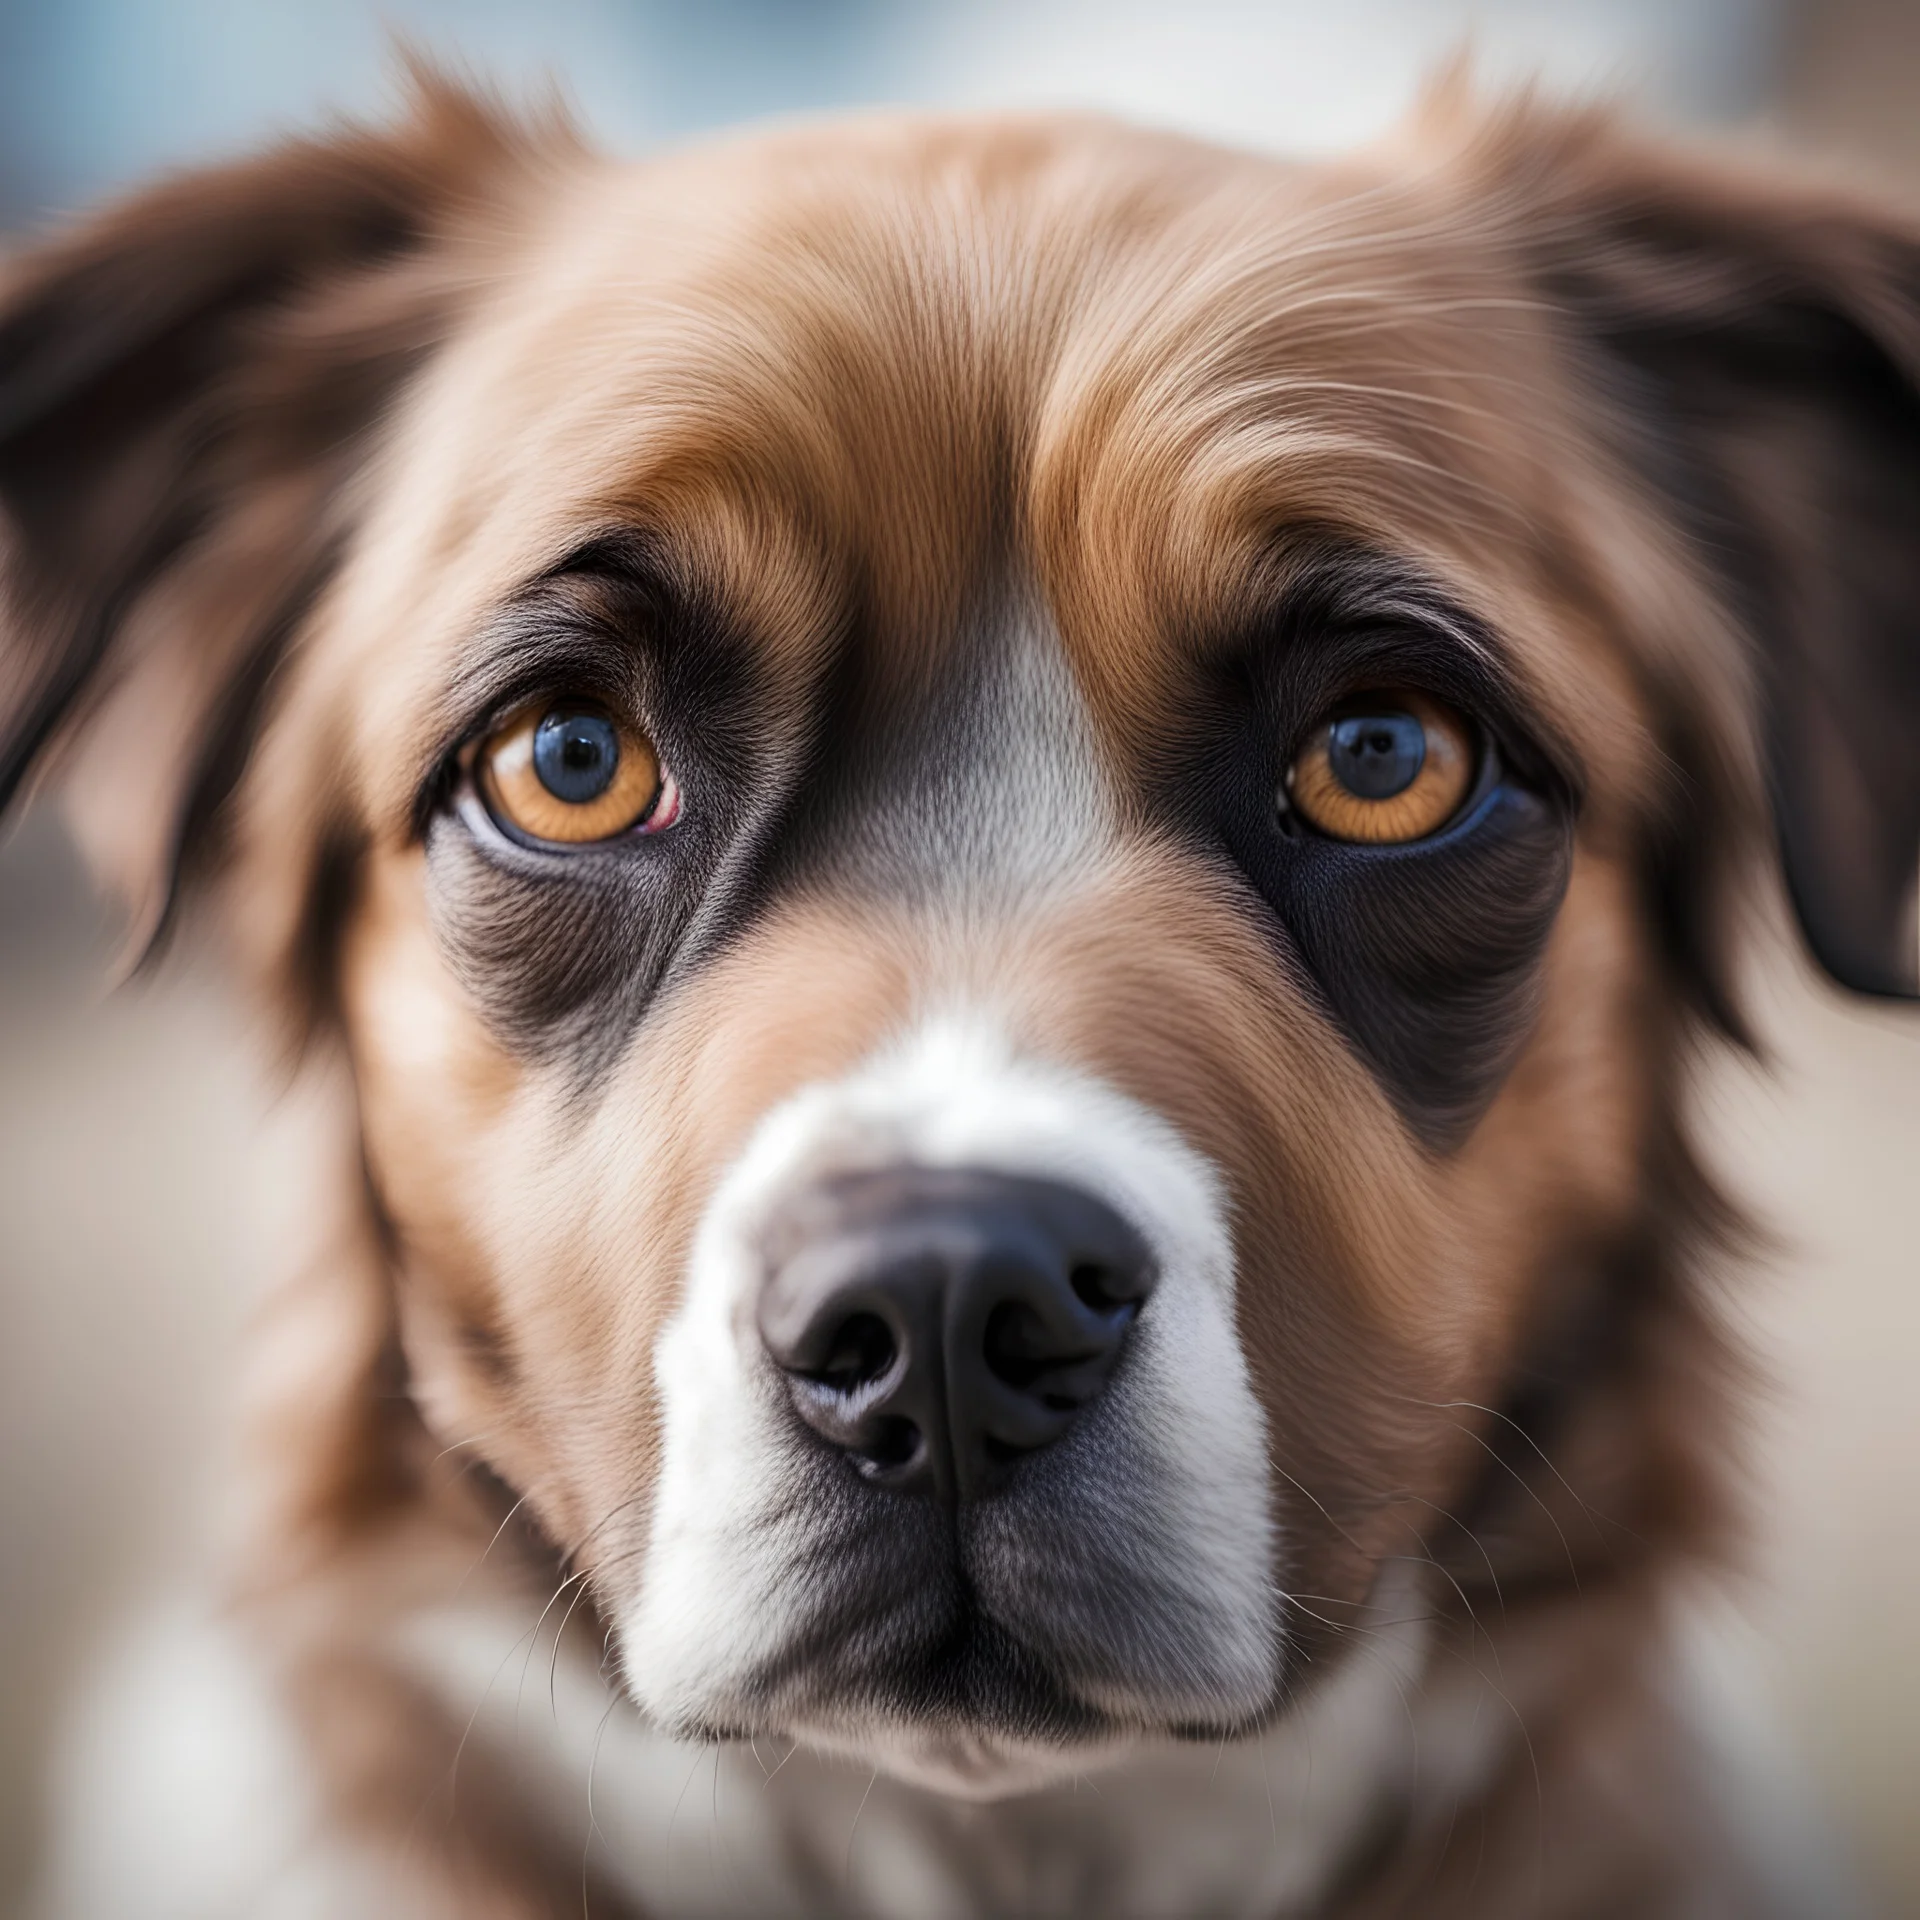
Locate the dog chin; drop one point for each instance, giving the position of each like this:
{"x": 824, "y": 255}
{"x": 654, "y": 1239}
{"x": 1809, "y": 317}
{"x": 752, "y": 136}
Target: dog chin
{"x": 965, "y": 1763}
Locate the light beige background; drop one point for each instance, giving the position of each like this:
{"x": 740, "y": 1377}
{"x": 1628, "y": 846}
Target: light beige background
{"x": 136, "y": 1209}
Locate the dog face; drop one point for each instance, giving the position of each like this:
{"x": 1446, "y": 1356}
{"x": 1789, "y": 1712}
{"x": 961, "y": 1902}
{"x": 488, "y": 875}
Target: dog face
{"x": 1014, "y": 830}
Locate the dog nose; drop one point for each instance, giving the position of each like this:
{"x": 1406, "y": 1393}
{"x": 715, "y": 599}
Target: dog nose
{"x": 938, "y": 1324}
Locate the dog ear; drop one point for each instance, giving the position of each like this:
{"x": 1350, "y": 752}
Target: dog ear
{"x": 1754, "y": 346}
{"x": 188, "y": 384}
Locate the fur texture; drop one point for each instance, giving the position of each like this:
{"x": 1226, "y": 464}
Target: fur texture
{"x": 977, "y": 515}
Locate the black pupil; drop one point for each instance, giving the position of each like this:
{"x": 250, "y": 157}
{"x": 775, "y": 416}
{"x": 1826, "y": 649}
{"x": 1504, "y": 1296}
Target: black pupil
{"x": 1377, "y": 755}
{"x": 575, "y": 754}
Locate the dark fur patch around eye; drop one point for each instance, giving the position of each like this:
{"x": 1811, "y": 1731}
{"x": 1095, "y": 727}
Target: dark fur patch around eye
{"x": 563, "y": 950}
{"x": 1427, "y": 954}
{"x": 557, "y": 948}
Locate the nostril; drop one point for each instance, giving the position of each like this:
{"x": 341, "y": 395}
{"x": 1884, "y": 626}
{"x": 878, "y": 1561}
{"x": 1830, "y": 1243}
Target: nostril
{"x": 1110, "y": 1287}
{"x": 889, "y": 1443}
{"x": 1093, "y": 1286}
{"x": 862, "y": 1350}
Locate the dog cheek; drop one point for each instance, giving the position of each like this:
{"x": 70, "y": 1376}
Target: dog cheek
{"x": 1359, "y": 1305}
{"x": 438, "y": 1099}
{"x": 1567, "y": 1133}
{"x": 442, "y": 1114}
{"x": 589, "y": 1258}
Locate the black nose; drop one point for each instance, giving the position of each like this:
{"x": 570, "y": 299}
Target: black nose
{"x": 939, "y": 1323}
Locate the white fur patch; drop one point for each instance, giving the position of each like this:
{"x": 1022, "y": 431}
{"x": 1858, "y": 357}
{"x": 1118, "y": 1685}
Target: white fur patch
{"x": 723, "y": 1589}
{"x": 1758, "y": 1786}
{"x": 1252, "y": 1828}
{"x": 181, "y": 1794}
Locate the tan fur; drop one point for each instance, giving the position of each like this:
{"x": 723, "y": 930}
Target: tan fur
{"x": 852, "y": 379}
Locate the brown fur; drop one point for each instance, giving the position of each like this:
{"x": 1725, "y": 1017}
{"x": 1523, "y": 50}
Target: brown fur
{"x": 297, "y": 432}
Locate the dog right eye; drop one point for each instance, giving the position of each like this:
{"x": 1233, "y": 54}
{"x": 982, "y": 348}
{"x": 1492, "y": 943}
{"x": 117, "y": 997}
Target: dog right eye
{"x": 569, "y": 773}
{"x": 1383, "y": 768}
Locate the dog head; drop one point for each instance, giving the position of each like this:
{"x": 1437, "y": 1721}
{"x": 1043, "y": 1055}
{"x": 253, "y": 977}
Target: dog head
{"x": 1015, "y": 830}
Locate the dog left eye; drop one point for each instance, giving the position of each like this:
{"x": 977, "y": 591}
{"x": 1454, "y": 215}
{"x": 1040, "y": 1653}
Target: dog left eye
{"x": 1383, "y": 768}
{"x": 571, "y": 773}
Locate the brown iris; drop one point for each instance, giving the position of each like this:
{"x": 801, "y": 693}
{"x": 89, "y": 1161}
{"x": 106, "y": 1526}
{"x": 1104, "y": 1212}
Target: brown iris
{"x": 569, "y": 771}
{"x": 1383, "y": 767}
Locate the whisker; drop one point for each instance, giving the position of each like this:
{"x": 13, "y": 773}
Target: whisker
{"x": 1318, "y": 1502}
{"x": 1478, "y": 1626}
{"x": 1494, "y": 1454}
{"x": 846, "y": 1872}
{"x": 1493, "y": 1574}
{"x": 533, "y": 1640}
{"x": 559, "y": 1639}
{"x": 466, "y": 1733}
{"x": 489, "y": 1547}
{"x": 593, "y": 1824}
{"x": 673, "y": 1818}
{"x": 1598, "y": 1518}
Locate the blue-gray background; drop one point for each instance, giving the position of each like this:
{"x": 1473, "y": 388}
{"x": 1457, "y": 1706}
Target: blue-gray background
{"x": 136, "y": 1203}
{"x": 93, "y": 92}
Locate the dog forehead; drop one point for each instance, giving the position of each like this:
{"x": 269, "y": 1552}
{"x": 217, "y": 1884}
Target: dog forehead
{"x": 862, "y": 327}
{"x": 878, "y": 362}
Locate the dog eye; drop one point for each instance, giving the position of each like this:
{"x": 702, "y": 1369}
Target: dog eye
{"x": 567, "y": 771}
{"x": 1383, "y": 767}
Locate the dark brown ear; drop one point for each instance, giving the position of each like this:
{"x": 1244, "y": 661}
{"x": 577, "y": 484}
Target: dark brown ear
{"x": 1754, "y": 342}
{"x": 188, "y": 383}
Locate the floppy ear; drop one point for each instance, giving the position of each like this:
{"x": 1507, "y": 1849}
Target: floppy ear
{"x": 1754, "y": 343}
{"x": 188, "y": 383}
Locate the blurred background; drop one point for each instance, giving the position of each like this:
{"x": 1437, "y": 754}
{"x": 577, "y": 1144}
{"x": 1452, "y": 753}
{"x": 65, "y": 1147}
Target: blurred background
{"x": 138, "y": 1195}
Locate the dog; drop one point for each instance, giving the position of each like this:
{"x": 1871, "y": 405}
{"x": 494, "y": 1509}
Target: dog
{"x": 996, "y": 847}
